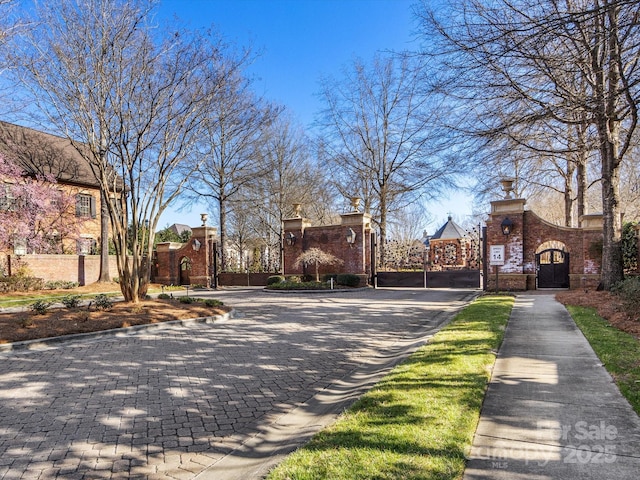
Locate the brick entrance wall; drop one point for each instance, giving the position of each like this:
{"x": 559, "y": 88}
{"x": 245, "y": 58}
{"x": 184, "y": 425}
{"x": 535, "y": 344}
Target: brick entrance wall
{"x": 199, "y": 249}
{"x": 355, "y": 258}
{"x": 529, "y": 232}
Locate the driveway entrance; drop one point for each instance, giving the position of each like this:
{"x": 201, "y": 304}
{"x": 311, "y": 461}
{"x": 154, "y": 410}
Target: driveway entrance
{"x": 207, "y": 401}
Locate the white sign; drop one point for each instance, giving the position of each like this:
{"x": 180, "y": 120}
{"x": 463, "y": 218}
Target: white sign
{"x": 496, "y": 255}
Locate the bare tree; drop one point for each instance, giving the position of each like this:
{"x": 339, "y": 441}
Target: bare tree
{"x": 229, "y": 147}
{"x": 574, "y": 63}
{"x": 382, "y": 137}
{"x": 132, "y": 100}
{"x": 316, "y": 257}
{"x": 290, "y": 176}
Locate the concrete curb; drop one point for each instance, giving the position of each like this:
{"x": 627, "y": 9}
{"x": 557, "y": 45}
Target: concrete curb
{"x": 115, "y": 332}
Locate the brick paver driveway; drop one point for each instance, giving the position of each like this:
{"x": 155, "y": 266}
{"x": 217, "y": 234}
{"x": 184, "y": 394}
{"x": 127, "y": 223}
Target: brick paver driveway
{"x": 205, "y": 401}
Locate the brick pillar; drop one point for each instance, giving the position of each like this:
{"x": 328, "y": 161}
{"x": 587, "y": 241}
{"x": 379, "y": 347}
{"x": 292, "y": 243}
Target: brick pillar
{"x": 294, "y": 243}
{"x": 511, "y": 275}
{"x": 202, "y": 254}
{"x": 357, "y": 259}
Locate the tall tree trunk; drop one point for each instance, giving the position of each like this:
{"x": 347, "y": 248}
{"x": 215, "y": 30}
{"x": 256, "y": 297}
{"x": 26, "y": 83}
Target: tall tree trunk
{"x": 383, "y": 230}
{"x": 608, "y": 125}
{"x": 581, "y": 159}
{"x": 568, "y": 194}
{"x": 223, "y": 235}
{"x": 105, "y": 275}
{"x": 612, "y": 267}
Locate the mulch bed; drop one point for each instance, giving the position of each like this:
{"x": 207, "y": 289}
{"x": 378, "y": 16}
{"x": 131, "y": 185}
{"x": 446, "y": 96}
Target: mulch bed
{"x": 608, "y": 306}
{"x": 26, "y": 325}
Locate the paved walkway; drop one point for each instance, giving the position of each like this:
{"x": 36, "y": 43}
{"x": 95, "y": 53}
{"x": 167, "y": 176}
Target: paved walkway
{"x": 552, "y": 411}
{"x": 219, "y": 401}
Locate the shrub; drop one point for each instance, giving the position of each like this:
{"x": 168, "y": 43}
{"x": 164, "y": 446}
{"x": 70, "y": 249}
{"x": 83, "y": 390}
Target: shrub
{"x": 164, "y": 296}
{"x": 26, "y": 322}
{"x": 288, "y": 285}
{"x": 40, "y": 307}
{"x": 327, "y": 278}
{"x": 102, "y": 302}
{"x": 294, "y": 279}
{"x": 71, "y": 301}
{"x": 629, "y": 292}
{"x": 348, "y": 280}
{"x": 60, "y": 285}
{"x": 629, "y": 247}
{"x": 212, "y": 302}
{"x": 20, "y": 284}
{"x": 186, "y": 300}
{"x": 273, "y": 279}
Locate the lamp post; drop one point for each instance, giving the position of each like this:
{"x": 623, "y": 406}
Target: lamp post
{"x": 351, "y": 237}
{"x": 506, "y": 226}
{"x": 290, "y": 239}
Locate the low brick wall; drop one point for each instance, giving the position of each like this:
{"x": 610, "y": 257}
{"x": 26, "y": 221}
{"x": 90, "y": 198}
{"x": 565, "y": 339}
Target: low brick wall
{"x": 510, "y": 282}
{"x": 243, "y": 280}
{"x": 84, "y": 269}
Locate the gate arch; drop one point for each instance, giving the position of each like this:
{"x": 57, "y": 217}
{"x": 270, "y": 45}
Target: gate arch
{"x": 552, "y": 265}
{"x": 185, "y": 271}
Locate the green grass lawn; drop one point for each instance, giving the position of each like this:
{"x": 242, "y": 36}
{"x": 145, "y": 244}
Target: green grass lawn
{"x": 618, "y": 351}
{"x": 419, "y": 421}
{"x": 9, "y": 300}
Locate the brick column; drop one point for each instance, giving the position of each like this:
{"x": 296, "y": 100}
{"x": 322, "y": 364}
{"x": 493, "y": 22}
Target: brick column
{"x": 511, "y": 276}
{"x": 294, "y": 234}
{"x": 202, "y": 258}
{"x": 357, "y": 258}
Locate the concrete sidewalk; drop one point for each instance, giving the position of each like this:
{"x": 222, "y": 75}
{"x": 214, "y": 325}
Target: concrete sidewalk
{"x": 552, "y": 411}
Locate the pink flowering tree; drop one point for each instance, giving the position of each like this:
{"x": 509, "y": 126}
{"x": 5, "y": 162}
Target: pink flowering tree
{"x": 35, "y": 213}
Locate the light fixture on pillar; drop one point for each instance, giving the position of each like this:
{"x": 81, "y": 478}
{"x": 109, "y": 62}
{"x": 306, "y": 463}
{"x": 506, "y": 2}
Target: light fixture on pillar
{"x": 351, "y": 237}
{"x": 290, "y": 239}
{"x": 204, "y": 217}
{"x": 506, "y": 226}
{"x": 196, "y": 245}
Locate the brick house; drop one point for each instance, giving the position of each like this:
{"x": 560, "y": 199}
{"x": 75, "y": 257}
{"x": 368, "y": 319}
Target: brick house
{"x": 39, "y": 153}
{"x": 449, "y": 248}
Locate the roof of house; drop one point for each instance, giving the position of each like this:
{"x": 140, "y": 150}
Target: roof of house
{"x": 40, "y": 153}
{"x": 450, "y": 230}
{"x": 179, "y": 228}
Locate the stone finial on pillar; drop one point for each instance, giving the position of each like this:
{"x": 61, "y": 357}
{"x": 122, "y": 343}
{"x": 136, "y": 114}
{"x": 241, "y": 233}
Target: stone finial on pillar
{"x": 355, "y": 204}
{"x": 507, "y": 186}
{"x": 297, "y": 210}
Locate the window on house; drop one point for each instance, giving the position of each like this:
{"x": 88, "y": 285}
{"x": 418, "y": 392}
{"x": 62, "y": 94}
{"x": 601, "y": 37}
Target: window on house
{"x": 86, "y": 246}
{"x": 85, "y": 206}
{"x": 7, "y": 200}
{"x": 19, "y": 246}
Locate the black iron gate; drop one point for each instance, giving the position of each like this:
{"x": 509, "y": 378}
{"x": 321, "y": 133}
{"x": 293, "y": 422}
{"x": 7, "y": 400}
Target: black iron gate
{"x": 447, "y": 279}
{"x": 553, "y": 268}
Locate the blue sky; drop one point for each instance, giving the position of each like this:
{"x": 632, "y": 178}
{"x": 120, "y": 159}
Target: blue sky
{"x": 298, "y": 42}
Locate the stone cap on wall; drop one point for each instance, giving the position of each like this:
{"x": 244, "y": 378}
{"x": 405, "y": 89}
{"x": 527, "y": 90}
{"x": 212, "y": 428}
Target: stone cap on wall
{"x": 202, "y": 232}
{"x": 591, "y": 221}
{"x": 511, "y": 205}
{"x": 356, "y": 218}
{"x": 296, "y": 223}
{"x": 167, "y": 246}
